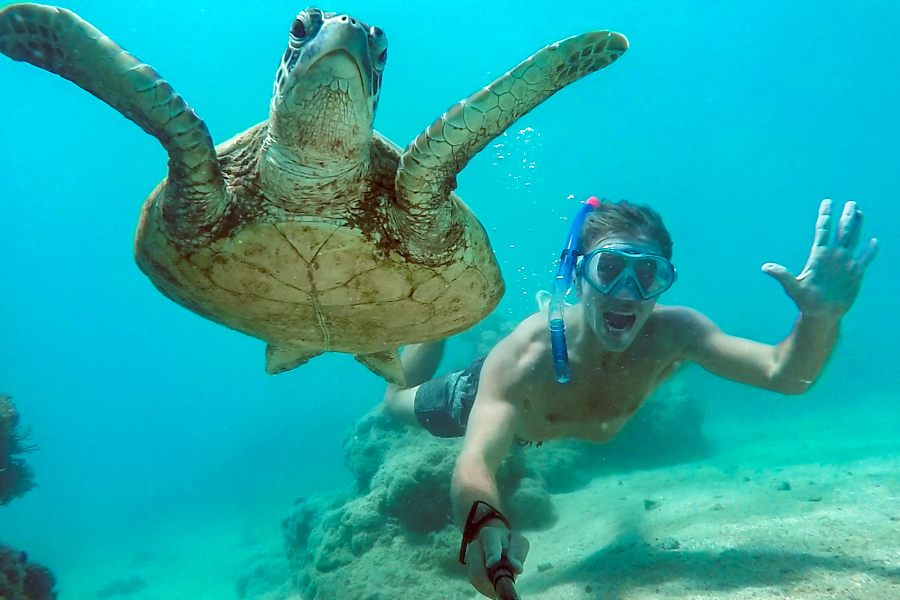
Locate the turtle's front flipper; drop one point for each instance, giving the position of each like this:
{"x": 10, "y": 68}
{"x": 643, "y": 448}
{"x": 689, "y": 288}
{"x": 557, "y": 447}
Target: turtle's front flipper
{"x": 385, "y": 364}
{"x": 426, "y": 218}
{"x": 59, "y": 41}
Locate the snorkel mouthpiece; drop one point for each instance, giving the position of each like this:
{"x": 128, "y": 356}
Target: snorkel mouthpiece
{"x": 561, "y": 285}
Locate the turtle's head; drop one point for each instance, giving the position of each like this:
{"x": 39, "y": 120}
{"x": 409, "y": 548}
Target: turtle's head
{"x": 326, "y": 90}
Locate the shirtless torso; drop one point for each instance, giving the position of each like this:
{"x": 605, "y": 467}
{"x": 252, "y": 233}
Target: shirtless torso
{"x": 606, "y": 388}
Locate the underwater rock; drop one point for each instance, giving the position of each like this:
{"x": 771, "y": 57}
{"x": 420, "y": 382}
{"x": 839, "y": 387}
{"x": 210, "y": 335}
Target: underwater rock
{"x": 367, "y": 443}
{"x": 412, "y": 483}
{"x": 670, "y": 544}
{"x": 24, "y": 580}
{"x": 531, "y": 507}
{"x": 265, "y": 578}
{"x": 401, "y": 516}
{"x": 16, "y": 477}
{"x": 123, "y": 587}
{"x": 394, "y": 536}
{"x": 416, "y": 489}
{"x": 298, "y": 526}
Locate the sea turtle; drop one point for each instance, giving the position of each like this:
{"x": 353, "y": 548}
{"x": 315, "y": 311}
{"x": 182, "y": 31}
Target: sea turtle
{"x": 311, "y": 231}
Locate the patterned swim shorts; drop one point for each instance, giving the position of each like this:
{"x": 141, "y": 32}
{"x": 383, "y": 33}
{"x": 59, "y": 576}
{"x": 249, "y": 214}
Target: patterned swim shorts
{"x": 443, "y": 404}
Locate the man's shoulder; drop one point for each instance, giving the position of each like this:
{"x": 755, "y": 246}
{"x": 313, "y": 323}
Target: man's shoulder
{"x": 679, "y": 322}
{"x": 527, "y": 345}
{"x": 531, "y": 336}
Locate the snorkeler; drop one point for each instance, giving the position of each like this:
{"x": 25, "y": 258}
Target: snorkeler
{"x": 603, "y": 357}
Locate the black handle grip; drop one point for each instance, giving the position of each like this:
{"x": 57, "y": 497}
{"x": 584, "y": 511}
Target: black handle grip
{"x": 502, "y": 577}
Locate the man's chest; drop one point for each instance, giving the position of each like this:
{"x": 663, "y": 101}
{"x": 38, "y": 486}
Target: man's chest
{"x": 596, "y": 405}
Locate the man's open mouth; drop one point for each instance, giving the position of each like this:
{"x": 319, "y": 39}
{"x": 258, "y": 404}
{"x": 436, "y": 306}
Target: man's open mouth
{"x": 619, "y": 321}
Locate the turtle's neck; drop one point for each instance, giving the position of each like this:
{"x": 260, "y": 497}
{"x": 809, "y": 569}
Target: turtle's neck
{"x": 306, "y": 178}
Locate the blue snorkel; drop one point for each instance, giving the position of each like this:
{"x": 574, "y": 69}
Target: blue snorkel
{"x": 561, "y": 286}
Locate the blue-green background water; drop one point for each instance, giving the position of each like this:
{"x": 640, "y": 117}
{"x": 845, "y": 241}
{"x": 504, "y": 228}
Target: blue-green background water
{"x": 732, "y": 119}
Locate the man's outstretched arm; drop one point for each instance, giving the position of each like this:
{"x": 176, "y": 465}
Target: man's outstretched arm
{"x": 824, "y": 291}
{"x": 789, "y": 367}
{"x": 489, "y": 435}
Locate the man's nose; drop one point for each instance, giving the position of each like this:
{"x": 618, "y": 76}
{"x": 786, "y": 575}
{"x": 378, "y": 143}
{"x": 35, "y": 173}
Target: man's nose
{"x": 627, "y": 288}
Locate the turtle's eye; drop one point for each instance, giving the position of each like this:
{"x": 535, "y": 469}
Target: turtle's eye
{"x": 379, "y": 45}
{"x": 298, "y": 29}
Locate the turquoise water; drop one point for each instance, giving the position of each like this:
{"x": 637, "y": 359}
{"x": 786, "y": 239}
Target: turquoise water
{"x": 732, "y": 120}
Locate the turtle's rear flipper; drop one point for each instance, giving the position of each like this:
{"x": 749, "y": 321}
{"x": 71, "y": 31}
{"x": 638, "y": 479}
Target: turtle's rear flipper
{"x": 59, "y": 41}
{"x": 426, "y": 218}
{"x": 386, "y": 365}
{"x": 285, "y": 357}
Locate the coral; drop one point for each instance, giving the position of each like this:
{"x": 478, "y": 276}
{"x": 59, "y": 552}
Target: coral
{"x": 24, "y": 580}
{"x": 16, "y": 477}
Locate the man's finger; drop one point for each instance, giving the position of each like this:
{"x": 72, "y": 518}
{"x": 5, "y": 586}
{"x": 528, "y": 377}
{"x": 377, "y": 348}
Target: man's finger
{"x": 492, "y": 542}
{"x": 869, "y": 254}
{"x": 823, "y": 224}
{"x": 784, "y": 277}
{"x": 849, "y": 224}
{"x": 855, "y": 232}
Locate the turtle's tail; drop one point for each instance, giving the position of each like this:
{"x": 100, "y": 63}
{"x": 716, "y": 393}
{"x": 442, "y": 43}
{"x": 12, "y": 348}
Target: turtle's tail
{"x": 429, "y": 165}
{"x": 59, "y": 41}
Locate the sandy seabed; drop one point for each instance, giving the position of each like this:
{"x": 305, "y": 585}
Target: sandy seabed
{"x": 806, "y": 509}
{"x": 824, "y": 524}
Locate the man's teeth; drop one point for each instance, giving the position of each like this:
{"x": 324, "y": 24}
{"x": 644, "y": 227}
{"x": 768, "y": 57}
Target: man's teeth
{"x": 618, "y": 320}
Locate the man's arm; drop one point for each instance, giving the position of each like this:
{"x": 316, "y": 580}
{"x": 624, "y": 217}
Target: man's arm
{"x": 824, "y": 291}
{"x": 789, "y": 367}
{"x": 489, "y": 435}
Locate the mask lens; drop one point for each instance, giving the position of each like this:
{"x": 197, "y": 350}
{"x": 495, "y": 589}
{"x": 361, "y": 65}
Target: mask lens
{"x": 607, "y": 267}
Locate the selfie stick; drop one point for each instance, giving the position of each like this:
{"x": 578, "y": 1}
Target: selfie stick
{"x": 501, "y": 576}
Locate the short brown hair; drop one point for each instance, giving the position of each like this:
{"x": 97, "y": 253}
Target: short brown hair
{"x": 622, "y": 217}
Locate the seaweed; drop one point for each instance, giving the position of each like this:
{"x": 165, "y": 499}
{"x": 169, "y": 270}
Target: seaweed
{"x": 21, "y": 579}
{"x": 16, "y": 477}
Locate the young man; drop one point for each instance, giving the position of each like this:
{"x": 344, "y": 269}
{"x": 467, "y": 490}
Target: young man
{"x": 621, "y": 346}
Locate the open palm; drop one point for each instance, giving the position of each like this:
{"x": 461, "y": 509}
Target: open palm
{"x": 830, "y": 281}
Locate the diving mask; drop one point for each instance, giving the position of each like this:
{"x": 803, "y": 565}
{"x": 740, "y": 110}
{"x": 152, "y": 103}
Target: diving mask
{"x": 605, "y": 268}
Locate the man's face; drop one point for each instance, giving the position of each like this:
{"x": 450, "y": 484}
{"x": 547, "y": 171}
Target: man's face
{"x": 618, "y": 316}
